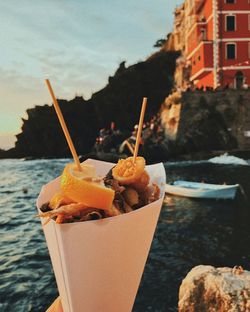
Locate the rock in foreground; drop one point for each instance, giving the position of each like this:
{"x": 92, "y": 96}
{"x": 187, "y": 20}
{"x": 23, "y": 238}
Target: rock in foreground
{"x": 210, "y": 289}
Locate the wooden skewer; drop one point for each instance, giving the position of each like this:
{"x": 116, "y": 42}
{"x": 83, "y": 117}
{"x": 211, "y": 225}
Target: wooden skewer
{"x": 138, "y": 137}
{"x": 130, "y": 147}
{"x": 63, "y": 125}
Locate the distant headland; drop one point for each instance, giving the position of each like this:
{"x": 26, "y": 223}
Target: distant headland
{"x": 119, "y": 102}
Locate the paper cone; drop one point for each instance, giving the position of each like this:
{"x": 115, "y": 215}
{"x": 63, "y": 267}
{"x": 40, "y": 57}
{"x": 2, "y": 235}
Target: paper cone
{"x": 99, "y": 264}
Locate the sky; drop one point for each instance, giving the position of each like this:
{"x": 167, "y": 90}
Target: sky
{"x": 77, "y": 44}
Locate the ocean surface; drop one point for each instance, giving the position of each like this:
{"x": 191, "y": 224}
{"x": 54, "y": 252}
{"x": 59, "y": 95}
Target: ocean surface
{"x": 190, "y": 232}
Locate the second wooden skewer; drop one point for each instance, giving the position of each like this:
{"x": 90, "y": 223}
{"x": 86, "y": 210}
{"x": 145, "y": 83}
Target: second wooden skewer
{"x": 138, "y": 137}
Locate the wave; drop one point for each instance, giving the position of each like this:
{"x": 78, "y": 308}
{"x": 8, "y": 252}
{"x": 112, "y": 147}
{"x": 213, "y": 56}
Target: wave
{"x": 185, "y": 162}
{"x": 220, "y": 160}
{"x": 226, "y": 159}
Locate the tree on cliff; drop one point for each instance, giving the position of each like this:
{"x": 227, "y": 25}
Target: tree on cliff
{"x": 159, "y": 43}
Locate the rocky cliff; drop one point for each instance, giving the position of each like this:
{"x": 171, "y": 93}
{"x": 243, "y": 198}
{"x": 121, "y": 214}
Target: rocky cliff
{"x": 190, "y": 122}
{"x": 195, "y": 121}
{"x": 120, "y": 101}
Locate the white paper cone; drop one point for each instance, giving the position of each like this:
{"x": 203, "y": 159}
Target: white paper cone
{"x": 99, "y": 264}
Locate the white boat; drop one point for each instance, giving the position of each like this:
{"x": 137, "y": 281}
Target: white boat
{"x": 202, "y": 190}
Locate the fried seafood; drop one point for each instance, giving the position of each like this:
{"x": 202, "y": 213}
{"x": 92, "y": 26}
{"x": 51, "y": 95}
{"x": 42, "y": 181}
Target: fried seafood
{"x": 71, "y": 209}
{"x": 126, "y": 171}
{"x": 73, "y": 213}
{"x": 142, "y": 182}
{"x": 136, "y": 193}
{"x": 85, "y": 196}
{"x": 58, "y": 200}
{"x": 131, "y": 196}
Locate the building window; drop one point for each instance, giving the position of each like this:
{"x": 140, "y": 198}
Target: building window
{"x": 231, "y": 51}
{"x": 230, "y": 1}
{"x": 249, "y": 50}
{"x": 230, "y": 23}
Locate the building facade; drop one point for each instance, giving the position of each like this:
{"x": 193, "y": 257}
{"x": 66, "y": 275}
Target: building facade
{"x": 214, "y": 37}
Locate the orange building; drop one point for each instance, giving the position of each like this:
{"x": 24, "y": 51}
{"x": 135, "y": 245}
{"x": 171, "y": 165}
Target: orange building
{"x": 214, "y": 37}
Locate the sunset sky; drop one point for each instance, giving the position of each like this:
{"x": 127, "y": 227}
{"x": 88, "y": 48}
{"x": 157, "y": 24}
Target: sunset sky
{"x": 75, "y": 43}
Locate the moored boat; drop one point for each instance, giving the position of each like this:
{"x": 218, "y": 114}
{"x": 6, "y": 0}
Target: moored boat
{"x": 202, "y": 190}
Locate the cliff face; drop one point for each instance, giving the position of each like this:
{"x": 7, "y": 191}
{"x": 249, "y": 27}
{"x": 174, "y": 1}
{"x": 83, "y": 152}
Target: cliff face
{"x": 232, "y": 110}
{"x": 120, "y": 101}
{"x": 193, "y": 121}
{"x": 202, "y": 127}
{"x": 197, "y": 121}
{"x": 42, "y": 135}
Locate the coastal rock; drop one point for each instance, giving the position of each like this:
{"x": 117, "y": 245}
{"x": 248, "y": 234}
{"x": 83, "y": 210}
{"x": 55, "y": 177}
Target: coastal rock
{"x": 210, "y": 289}
{"x": 119, "y": 102}
{"x": 232, "y": 111}
{"x": 191, "y": 124}
{"x": 186, "y": 127}
{"x": 42, "y": 135}
{"x": 202, "y": 127}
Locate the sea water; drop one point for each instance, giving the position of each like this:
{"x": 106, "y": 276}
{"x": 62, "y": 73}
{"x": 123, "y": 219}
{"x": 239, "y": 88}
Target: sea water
{"x": 190, "y": 232}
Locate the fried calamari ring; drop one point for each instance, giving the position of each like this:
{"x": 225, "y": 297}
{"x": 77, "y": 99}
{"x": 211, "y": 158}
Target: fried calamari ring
{"x": 126, "y": 171}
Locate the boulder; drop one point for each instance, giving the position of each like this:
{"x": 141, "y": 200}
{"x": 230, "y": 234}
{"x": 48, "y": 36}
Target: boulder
{"x": 211, "y": 289}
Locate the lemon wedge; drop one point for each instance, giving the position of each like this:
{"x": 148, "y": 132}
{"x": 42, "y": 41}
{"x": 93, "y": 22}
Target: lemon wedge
{"x": 86, "y": 187}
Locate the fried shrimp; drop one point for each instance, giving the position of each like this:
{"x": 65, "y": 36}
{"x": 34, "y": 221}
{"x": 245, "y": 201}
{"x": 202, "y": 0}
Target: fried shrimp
{"x": 66, "y": 210}
{"x": 72, "y": 213}
{"x": 141, "y": 183}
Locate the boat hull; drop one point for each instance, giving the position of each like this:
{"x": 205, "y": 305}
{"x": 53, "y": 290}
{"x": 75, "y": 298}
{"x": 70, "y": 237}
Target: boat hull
{"x": 202, "y": 190}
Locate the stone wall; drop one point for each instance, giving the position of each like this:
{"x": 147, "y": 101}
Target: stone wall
{"x": 232, "y": 105}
